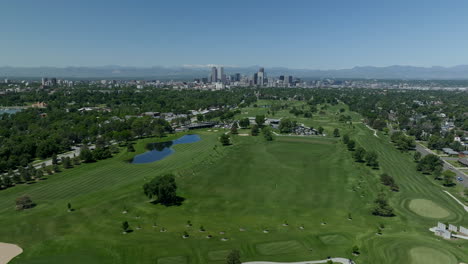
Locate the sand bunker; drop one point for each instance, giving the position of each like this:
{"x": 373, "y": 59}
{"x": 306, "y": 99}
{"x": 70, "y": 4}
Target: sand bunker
{"x": 8, "y": 252}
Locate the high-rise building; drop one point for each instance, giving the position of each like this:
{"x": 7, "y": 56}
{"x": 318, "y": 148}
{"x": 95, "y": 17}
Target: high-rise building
{"x": 255, "y": 78}
{"x": 53, "y": 81}
{"x": 44, "y": 81}
{"x": 214, "y": 75}
{"x": 237, "y": 77}
{"x": 7, "y": 81}
{"x": 261, "y": 77}
{"x": 281, "y": 78}
{"x": 221, "y": 76}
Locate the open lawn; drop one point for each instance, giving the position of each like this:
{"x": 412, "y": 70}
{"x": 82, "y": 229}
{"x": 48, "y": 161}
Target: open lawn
{"x": 254, "y": 194}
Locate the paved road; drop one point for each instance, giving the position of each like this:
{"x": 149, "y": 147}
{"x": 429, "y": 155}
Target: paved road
{"x": 447, "y": 166}
{"x": 337, "y": 260}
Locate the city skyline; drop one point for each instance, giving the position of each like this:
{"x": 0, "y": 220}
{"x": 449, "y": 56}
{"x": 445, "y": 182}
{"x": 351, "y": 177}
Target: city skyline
{"x": 303, "y": 34}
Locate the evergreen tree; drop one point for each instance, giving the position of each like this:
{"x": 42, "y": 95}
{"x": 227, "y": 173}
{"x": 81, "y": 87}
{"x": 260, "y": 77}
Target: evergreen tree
{"x": 225, "y": 140}
{"x": 336, "y": 132}
{"x": 255, "y": 130}
{"x": 233, "y": 257}
{"x": 125, "y": 226}
{"x": 234, "y": 129}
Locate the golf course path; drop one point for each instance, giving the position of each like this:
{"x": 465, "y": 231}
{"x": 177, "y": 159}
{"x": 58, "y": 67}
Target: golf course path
{"x": 458, "y": 201}
{"x": 375, "y": 131}
{"x": 337, "y": 260}
{"x": 8, "y": 252}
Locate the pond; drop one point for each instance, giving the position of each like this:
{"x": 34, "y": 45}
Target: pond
{"x": 160, "y": 150}
{"x": 9, "y": 111}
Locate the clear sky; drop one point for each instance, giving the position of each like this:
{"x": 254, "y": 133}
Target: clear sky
{"x": 313, "y": 34}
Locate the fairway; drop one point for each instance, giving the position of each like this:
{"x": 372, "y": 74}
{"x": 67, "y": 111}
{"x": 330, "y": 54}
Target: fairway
{"x": 428, "y": 208}
{"x": 424, "y": 255}
{"x": 287, "y": 200}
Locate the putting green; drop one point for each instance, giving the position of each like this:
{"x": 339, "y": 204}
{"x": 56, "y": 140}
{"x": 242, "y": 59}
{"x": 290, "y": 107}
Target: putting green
{"x": 281, "y": 247}
{"x": 173, "y": 260}
{"x": 428, "y": 208}
{"x": 334, "y": 239}
{"x": 426, "y": 255}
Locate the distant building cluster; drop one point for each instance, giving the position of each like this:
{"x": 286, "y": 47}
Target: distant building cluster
{"x": 218, "y": 79}
{"x": 46, "y": 82}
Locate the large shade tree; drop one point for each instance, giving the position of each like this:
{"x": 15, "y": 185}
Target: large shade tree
{"x": 162, "y": 188}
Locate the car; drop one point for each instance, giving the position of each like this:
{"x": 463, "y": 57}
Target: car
{"x": 459, "y": 178}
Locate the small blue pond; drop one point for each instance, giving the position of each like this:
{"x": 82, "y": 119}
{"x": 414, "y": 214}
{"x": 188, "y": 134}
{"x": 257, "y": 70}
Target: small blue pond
{"x": 160, "y": 150}
{"x": 9, "y": 111}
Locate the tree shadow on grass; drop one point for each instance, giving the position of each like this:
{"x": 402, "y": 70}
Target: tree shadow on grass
{"x": 176, "y": 202}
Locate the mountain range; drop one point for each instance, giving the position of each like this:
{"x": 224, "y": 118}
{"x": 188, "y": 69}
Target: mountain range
{"x": 189, "y": 72}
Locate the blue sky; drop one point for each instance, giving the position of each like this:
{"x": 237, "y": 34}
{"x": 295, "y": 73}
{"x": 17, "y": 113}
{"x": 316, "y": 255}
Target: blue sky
{"x": 313, "y": 34}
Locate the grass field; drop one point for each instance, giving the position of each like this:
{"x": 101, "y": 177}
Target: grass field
{"x": 252, "y": 185}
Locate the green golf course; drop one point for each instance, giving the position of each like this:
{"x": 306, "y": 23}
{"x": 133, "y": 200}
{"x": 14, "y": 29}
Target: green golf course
{"x": 286, "y": 200}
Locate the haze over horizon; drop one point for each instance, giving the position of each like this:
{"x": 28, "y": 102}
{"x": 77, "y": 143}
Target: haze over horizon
{"x": 300, "y": 34}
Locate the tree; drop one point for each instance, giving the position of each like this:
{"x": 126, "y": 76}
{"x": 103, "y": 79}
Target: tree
{"x": 16, "y": 178}
{"x": 130, "y": 147}
{"x": 24, "y": 202}
{"x": 417, "y": 156}
{"x": 438, "y": 172}
{"x": 448, "y": 177}
{"x": 389, "y": 181}
{"x": 260, "y": 120}
{"x": 267, "y": 134}
{"x": 56, "y": 168}
{"x": 429, "y": 163}
{"x": 233, "y": 257}
{"x": 244, "y": 123}
{"x": 69, "y": 206}
{"x": 39, "y": 174}
{"x": 320, "y": 130}
{"x": 336, "y": 132}
{"x": 402, "y": 141}
{"x": 351, "y": 145}
{"x": 359, "y": 154}
{"x": 225, "y": 140}
{"x": 54, "y": 159}
{"x": 164, "y": 188}
{"x": 355, "y": 250}
{"x": 159, "y": 131}
{"x": 234, "y": 129}
{"x": 200, "y": 118}
{"x": 101, "y": 153}
{"x": 7, "y": 181}
{"x": 67, "y": 163}
{"x": 382, "y": 208}
{"x": 76, "y": 161}
{"x": 346, "y": 139}
{"x": 86, "y": 155}
{"x": 125, "y": 227}
{"x": 254, "y": 130}
{"x": 371, "y": 159}
{"x": 25, "y": 175}
{"x": 286, "y": 125}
